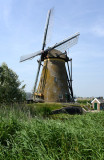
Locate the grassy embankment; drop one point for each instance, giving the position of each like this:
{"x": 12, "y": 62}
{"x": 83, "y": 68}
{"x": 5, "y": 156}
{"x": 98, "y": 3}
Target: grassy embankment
{"x": 30, "y": 133}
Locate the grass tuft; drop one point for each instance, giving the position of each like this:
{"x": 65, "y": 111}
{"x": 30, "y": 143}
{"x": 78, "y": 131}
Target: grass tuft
{"x": 26, "y": 133}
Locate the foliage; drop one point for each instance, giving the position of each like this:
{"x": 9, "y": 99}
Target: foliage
{"x": 83, "y": 101}
{"x": 73, "y": 138}
{"x": 10, "y": 90}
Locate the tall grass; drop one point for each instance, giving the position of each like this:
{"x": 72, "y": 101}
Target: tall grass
{"x": 26, "y": 136}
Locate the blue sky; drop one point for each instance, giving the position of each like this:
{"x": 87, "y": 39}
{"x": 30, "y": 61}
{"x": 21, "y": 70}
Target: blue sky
{"x": 22, "y": 25}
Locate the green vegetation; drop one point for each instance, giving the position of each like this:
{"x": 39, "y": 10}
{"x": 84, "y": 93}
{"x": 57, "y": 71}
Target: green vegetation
{"x": 84, "y": 101}
{"x": 86, "y": 104}
{"x": 10, "y": 90}
{"x": 31, "y": 132}
{"x": 28, "y": 132}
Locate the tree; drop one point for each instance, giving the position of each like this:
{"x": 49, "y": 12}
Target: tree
{"x": 10, "y": 90}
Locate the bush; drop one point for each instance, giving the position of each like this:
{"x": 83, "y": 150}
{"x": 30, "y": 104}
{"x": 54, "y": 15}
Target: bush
{"x": 10, "y": 90}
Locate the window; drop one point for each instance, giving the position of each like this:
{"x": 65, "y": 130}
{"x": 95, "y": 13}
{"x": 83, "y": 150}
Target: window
{"x": 61, "y": 96}
{"x": 55, "y": 79}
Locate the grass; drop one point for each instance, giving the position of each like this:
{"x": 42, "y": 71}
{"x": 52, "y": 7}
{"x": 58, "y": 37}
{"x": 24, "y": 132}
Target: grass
{"x": 84, "y": 102}
{"x": 26, "y": 134}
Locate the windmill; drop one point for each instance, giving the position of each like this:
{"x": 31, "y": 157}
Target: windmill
{"x": 55, "y": 83}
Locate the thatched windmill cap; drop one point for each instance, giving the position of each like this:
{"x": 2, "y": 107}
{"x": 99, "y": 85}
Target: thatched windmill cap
{"x": 56, "y": 54}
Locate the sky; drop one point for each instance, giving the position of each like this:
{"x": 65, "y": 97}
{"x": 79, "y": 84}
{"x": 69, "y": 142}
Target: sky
{"x": 22, "y": 24}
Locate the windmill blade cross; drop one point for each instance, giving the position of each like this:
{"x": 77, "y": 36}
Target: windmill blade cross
{"x": 62, "y": 46}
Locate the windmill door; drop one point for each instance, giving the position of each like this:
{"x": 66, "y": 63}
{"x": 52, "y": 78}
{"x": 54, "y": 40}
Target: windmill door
{"x": 95, "y": 106}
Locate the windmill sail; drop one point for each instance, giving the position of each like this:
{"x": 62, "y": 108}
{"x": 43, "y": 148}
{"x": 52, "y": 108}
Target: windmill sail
{"x": 30, "y": 56}
{"x": 67, "y": 44}
{"x": 50, "y": 27}
{"x": 46, "y": 28}
{"x": 43, "y": 46}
